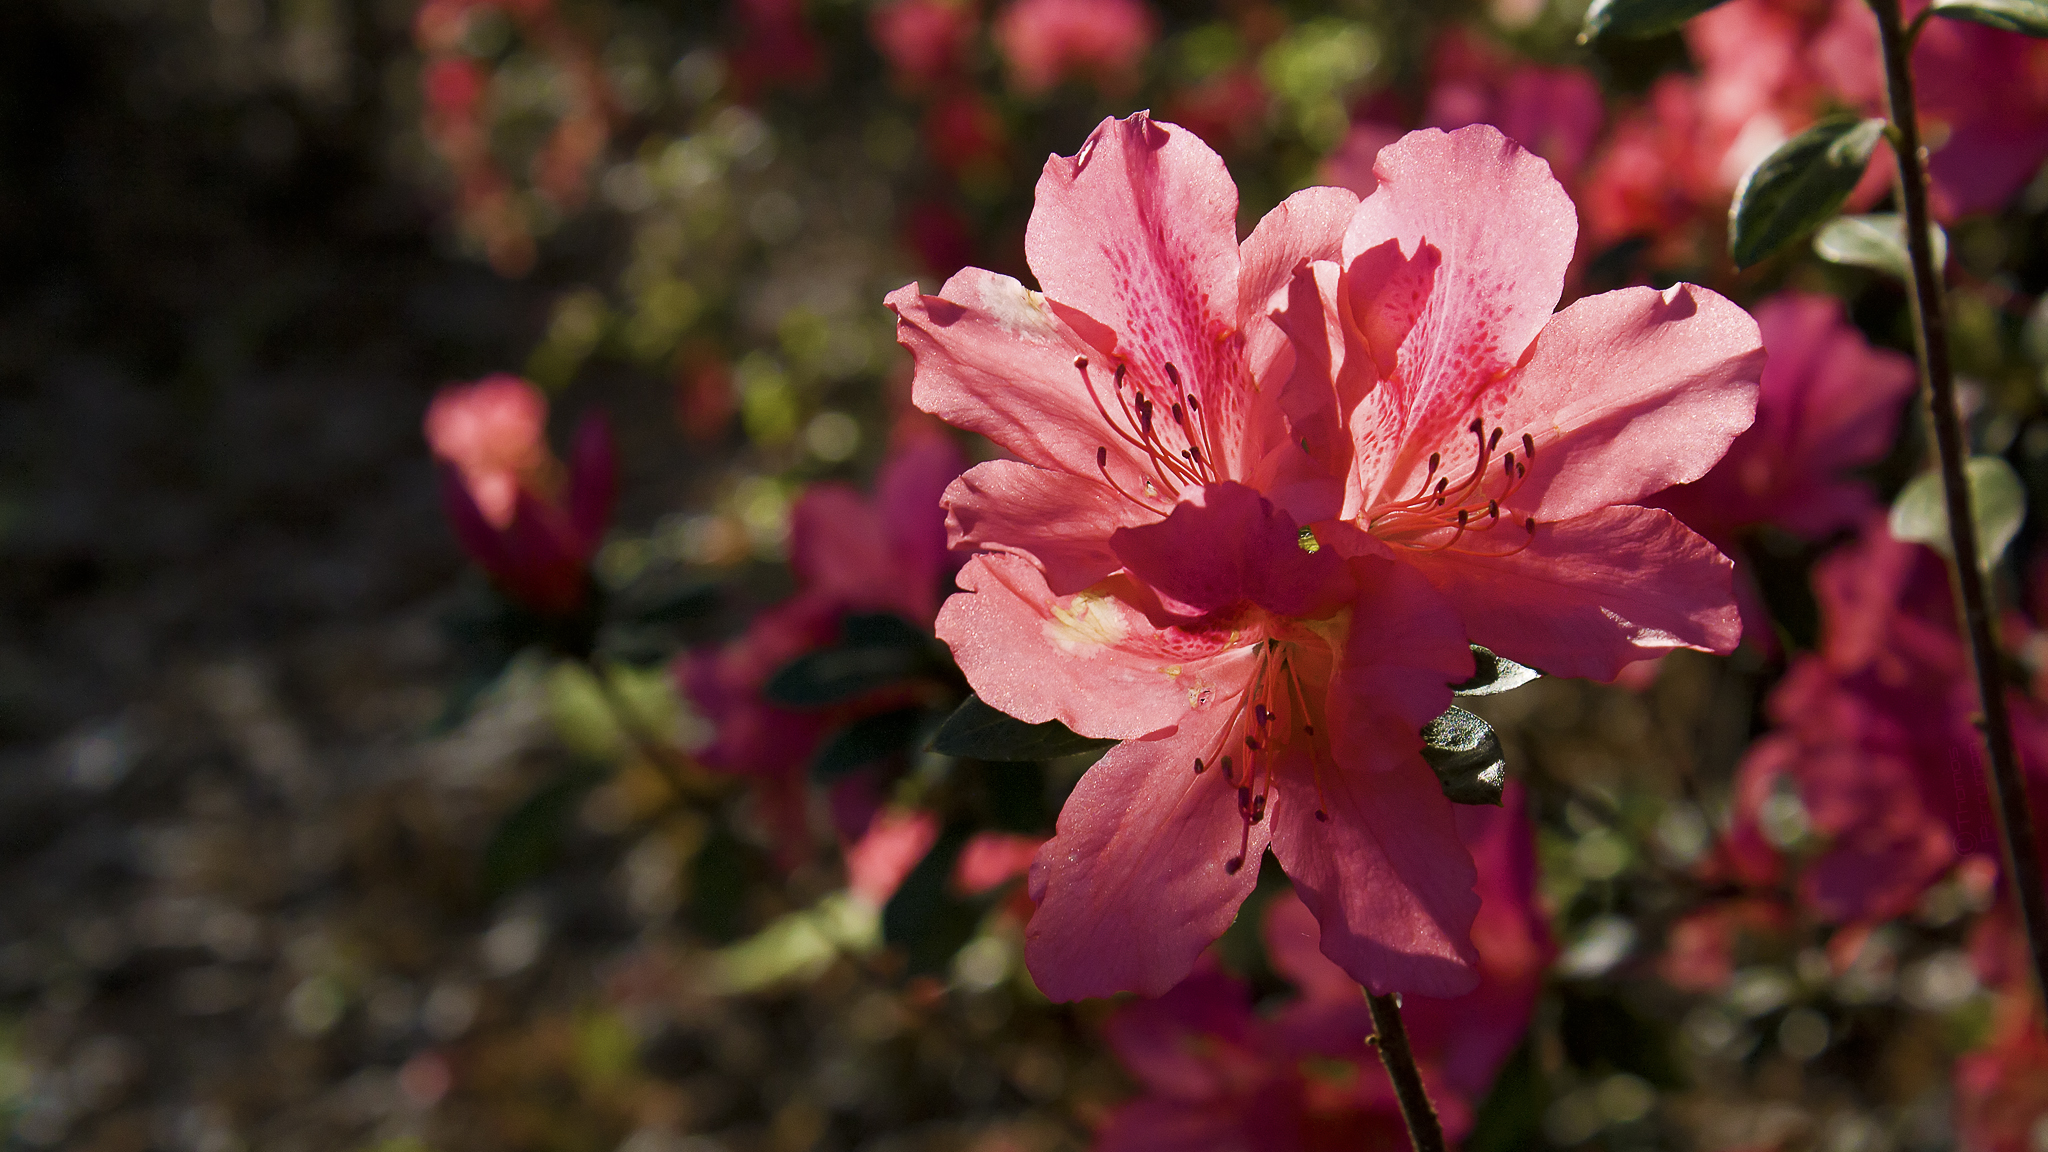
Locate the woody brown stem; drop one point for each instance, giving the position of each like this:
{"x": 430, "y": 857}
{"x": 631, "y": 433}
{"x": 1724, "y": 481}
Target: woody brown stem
{"x": 1390, "y": 1036}
{"x": 2008, "y": 787}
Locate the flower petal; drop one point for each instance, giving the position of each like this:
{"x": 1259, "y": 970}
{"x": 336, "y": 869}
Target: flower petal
{"x": 1405, "y": 649}
{"x": 1629, "y": 392}
{"x": 1137, "y": 881}
{"x": 1090, "y": 660}
{"x": 1226, "y": 546}
{"x": 996, "y": 358}
{"x": 1060, "y": 520}
{"x": 1308, "y": 225}
{"x": 1385, "y": 875}
{"x": 1139, "y": 231}
{"x": 1593, "y": 593}
{"x": 1504, "y": 229}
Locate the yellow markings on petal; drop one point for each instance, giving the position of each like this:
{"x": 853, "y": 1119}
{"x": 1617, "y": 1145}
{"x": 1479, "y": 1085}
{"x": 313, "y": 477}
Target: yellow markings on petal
{"x": 1084, "y": 623}
{"x": 1019, "y": 310}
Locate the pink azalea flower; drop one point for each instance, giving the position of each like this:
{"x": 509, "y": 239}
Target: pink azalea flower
{"x": 1146, "y": 576}
{"x": 924, "y": 41}
{"x": 1874, "y": 735}
{"x": 1556, "y": 113}
{"x": 505, "y": 494}
{"x": 1217, "y": 1076}
{"x": 879, "y": 862}
{"x": 1701, "y": 948}
{"x": 1047, "y": 41}
{"x": 1829, "y": 403}
{"x": 2001, "y": 1086}
{"x": 849, "y": 554}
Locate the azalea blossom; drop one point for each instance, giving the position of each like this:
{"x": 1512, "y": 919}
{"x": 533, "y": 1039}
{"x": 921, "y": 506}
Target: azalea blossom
{"x": 1047, "y": 41}
{"x": 1215, "y": 1075}
{"x": 1242, "y": 555}
{"x": 532, "y": 527}
{"x": 1829, "y": 403}
{"x": 849, "y": 554}
{"x": 1874, "y": 735}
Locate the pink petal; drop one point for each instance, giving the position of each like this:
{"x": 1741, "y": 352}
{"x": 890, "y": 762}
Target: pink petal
{"x": 1385, "y": 875}
{"x": 838, "y": 546}
{"x": 996, "y": 358}
{"x": 1593, "y": 593}
{"x": 1227, "y": 546}
{"x": 1324, "y": 383}
{"x": 908, "y": 491}
{"x": 1161, "y": 1041}
{"x": 1308, "y": 225}
{"x": 1139, "y": 231}
{"x": 1505, "y": 230}
{"x": 1090, "y": 660}
{"x": 1629, "y": 392}
{"x": 1060, "y": 520}
{"x": 1137, "y": 881}
{"x": 1405, "y": 648}
{"x": 878, "y": 862}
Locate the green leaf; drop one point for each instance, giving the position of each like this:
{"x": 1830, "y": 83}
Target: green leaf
{"x": 924, "y": 917}
{"x": 978, "y": 732}
{"x": 1998, "y": 503}
{"x": 877, "y": 651}
{"x": 1638, "y": 18}
{"x": 1466, "y": 756}
{"x": 865, "y": 741}
{"x": 528, "y": 841}
{"x": 1795, "y": 188}
{"x": 1876, "y": 241}
{"x": 2025, "y": 16}
{"x": 1492, "y": 674}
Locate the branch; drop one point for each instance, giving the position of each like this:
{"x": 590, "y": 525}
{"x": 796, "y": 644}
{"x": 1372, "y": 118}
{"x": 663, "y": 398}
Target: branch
{"x": 1390, "y": 1036}
{"x": 2008, "y": 787}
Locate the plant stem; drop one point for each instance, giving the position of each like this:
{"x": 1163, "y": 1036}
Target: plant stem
{"x": 1390, "y": 1036}
{"x": 658, "y": 752}
{"x": 2008, "y": 786}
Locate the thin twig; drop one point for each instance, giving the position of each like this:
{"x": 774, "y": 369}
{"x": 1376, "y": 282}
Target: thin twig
{"x": 660, "y": 753}
{"x": 2008, "y": 787}
{"x": 1390, "y": 1036}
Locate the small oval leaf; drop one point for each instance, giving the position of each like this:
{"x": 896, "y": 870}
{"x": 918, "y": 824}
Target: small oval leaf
{"x": 1466, "y": 756}
{"x": 976, "y": 731}
{"x": 865, "y": 741}
{"x": 1876, "y": 241}
{"x": 1492, "y": 674}
{"x": 1998, "y": 503}
{"x": 2029, "y": 17}
{"x": 876, "y": 651}
{"x": 1802, "y": 183}
{"x": 1637, "y": 18}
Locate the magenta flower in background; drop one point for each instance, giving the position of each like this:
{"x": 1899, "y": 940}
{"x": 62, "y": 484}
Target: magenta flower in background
{"x": 924, "y": 41}
{"x": 1217, "y": 1076}
{"x": 1830, "y": 403}
{"x": 1146, "y": 575}
{"x": 529, "y": 526}
{"x": 1046, "y": 41}
{"x": 1873, "y": 734}
{"x": 849, "y": 554}
{"x": 2001, "y": 1086}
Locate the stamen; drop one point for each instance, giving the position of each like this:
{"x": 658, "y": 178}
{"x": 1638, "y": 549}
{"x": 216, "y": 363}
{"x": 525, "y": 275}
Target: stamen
{"x": 1258, "y": 809}
{"x": 1198, "y": 765}
{"x": 1528, "y": 446}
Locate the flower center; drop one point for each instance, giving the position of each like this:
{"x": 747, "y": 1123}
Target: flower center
{"x": 1270, "y": 712}
{"x": 1179, "y": 448}
{"x": 1469, "y": 511}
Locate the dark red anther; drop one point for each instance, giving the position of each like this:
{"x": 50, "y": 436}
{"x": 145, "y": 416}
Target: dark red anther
{"x": 1435, "y": 460}
{"x": 1199, "y": 765}
{"x": 1530, "y": 524}
{"x": 1244, "y": 798}
{"x": 1226, "y": 767}
{"x": 1234, "y": 865}
{"x": 1180, "y": 417}
{"x": 1195, "y": 452}
{"x": 1442, "y": 484}
{"x": 1528, "y": 446}
{"x": 1258, "y": 809}
{"x": 1463, "y": 515}
{"x": 1508, "y": 462}
{"x": 1477, "y": 427}
{"x": 1251, "y": 742}
{"x": 1119, "y": 377}
{"x": 1264, "y": 714}
{"x": 1194, "y": 405}
{"x": 1493, "y": 509}
{"x": 1101, "y": 457}
{"x": 1493, "y": 441}
{"x": 1322, "y": 817}
{"x": 1308, "y": 729}
{"x": 1173, "y": 374}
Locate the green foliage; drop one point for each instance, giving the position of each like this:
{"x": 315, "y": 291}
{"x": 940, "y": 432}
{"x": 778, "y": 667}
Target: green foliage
{"x": 1998, "y": 505}
{"x": 528, "y": 841}
{"x": 1794, "y": 189}
{"x": 876, "y": 651}
{"x": 2029, "y": 17}
{"x": 1877, "y": 242}
{"x": 1466, "y": 756}
{"x": 979, "y": 732}
{"x": 1634, "y": 19}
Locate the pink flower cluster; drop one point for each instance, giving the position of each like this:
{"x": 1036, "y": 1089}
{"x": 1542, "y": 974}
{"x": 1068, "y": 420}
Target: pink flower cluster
{"x": 531, "y": 524}
{"x": 1265, "y": 495}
